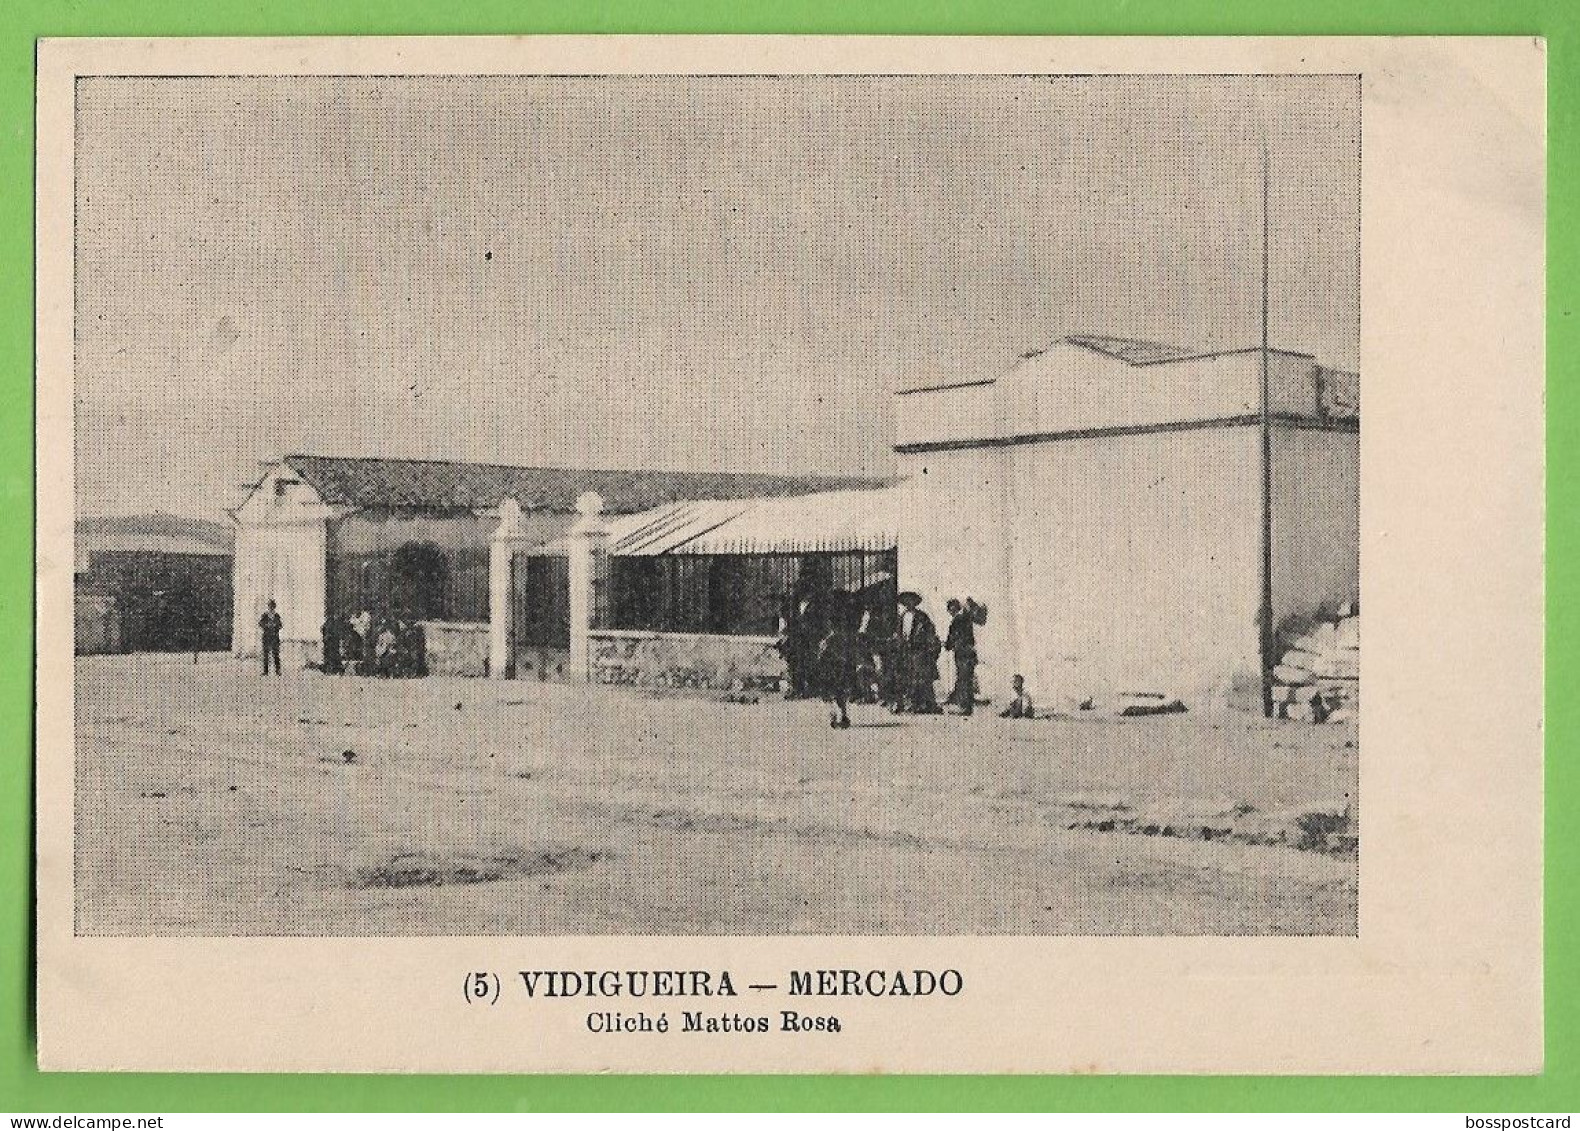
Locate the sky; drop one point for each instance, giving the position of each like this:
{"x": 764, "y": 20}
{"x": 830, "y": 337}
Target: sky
{"x": 659, "y": 272}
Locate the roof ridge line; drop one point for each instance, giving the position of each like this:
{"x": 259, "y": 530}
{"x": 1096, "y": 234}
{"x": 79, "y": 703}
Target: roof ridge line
{"x": 811, "y": 475}
{"x": 1184, "y": 353}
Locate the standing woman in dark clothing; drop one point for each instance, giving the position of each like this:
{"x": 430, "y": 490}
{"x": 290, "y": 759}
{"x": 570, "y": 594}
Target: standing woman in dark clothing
{"x": 788, "y": 647}
{"x": 350, "y": 645}
{"x": 417, "y": 649}
{"x": 837, "y": 658}
{"x": 804, "y": 636}
{"x": 332, "y": 664}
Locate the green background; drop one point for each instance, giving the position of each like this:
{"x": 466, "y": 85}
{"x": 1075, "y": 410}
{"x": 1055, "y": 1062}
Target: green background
{"x": 23, "y": 1089}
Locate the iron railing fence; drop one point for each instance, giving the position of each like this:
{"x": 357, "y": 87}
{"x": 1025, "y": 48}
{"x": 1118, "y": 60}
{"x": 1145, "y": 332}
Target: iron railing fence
{"x": 740, "y": 590}
{"x": 369, "y": 581}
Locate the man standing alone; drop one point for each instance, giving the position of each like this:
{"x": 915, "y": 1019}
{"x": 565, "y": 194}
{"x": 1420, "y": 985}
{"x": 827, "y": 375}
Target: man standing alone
{"x": 962, "y": 641}
{"x": 271, "y": 623}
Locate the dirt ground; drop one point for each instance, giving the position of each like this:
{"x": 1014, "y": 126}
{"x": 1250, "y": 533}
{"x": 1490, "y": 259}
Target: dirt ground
{"x": 212, "y": 801}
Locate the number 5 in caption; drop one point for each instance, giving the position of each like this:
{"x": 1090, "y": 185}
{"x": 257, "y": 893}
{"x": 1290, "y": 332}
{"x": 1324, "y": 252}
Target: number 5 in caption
{"x": 481, "y": 988}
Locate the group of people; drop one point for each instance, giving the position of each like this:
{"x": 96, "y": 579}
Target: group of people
{"x": 920, "y": 649}
{"x": 388, "y": 645}
{"x": 832, "y": 651}
{"x": 385, "y": 644}
{"x": 828, "y": 640}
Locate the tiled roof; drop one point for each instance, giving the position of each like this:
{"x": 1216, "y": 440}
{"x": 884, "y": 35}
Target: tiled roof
{"x": 440, "y": 485}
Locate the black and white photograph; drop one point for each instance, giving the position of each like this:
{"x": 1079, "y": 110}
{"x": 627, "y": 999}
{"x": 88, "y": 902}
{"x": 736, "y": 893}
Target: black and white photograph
{"x": 698, "y": 554}
{"x": 717, "y": 505}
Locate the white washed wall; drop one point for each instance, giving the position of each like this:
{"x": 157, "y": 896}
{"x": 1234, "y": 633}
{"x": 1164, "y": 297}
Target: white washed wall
{"x": 1118, "y": 563}
{"x": 280, "y": 554}
{"x": 285, "y": 563}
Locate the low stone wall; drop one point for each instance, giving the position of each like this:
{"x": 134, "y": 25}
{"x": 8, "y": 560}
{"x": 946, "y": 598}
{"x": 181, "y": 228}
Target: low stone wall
{"x": 685, "y": 660}
{"x": 456, "y": 647}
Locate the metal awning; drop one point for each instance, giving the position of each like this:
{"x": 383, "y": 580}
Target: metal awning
{"x": 665, "y": 529}
{"x": 830, "y": 521}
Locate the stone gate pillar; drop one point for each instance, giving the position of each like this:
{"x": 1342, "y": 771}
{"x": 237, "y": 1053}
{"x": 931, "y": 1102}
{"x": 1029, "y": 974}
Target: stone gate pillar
{"x": 509, "y": 537}
{"x": 588, "y": 570}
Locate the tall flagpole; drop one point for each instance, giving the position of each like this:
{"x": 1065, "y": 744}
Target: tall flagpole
{"x": 1269, "y": 641}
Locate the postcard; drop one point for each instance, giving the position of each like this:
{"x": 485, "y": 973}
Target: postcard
{"x": 790, "y": 554}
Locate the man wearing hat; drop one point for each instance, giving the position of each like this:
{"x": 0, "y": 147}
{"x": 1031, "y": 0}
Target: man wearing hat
{"x": 916, "y": 654}
{"x": 962, "y": 642}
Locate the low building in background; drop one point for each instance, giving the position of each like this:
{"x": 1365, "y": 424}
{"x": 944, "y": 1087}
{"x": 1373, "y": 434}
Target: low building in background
{"x": 152, "y": 583}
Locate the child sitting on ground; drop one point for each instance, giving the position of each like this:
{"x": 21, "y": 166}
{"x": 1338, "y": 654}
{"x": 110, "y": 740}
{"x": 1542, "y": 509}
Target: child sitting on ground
{"x": 1020, "y": 702}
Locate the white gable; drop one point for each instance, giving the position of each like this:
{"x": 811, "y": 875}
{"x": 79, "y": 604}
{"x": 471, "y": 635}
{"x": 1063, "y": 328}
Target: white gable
{"x": 281, "y": 496}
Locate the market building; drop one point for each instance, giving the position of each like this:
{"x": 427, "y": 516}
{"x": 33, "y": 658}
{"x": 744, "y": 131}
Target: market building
{"x": 1104, "y": 498}
{"x": 321, "y": 535}
{"x": 690, "y": 595}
